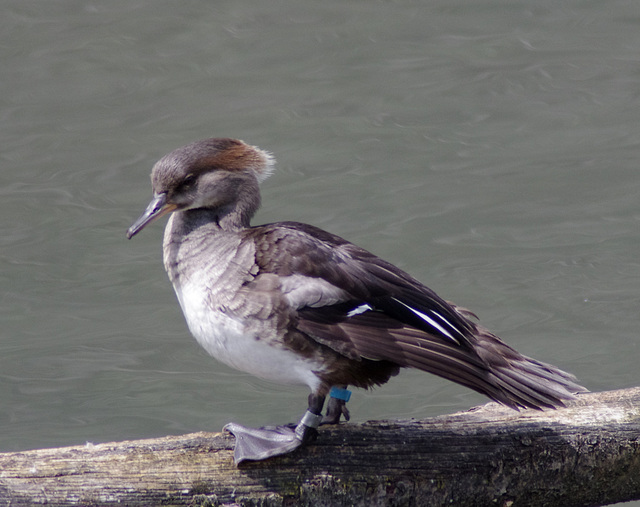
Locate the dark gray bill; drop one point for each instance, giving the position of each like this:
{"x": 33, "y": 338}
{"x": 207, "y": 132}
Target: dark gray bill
{"x": 157, "y": 207}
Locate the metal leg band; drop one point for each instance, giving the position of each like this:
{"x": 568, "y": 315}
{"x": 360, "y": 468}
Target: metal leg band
{"x": 309, "y": 420}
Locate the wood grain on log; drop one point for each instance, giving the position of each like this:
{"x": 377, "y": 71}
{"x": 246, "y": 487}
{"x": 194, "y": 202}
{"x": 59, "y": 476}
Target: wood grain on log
{"x": 585, "y": 454}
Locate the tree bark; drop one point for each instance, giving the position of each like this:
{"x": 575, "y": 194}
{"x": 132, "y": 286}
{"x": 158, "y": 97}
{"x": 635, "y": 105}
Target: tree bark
{"x": 585, "y": 454}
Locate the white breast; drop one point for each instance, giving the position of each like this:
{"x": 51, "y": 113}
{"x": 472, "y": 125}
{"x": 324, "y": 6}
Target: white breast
{"x": 226, "y": 339}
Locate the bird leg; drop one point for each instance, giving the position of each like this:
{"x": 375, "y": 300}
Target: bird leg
{"x": 337, "y": 405}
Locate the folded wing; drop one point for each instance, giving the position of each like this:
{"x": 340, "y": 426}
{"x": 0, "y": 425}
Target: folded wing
{"x": 365, "y": 308}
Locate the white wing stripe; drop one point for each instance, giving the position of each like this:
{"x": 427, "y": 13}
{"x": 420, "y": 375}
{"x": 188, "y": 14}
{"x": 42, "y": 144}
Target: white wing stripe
{"x": 359, "y": 309}
{"x": 430, "y": 321}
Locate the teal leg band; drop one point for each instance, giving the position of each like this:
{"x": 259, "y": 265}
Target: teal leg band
{"x": 340, "y": 393}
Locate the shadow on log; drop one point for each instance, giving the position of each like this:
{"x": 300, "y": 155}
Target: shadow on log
{"x": 585, "y": 454}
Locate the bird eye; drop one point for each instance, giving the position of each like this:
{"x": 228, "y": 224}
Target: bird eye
{"x": 188, "y": 180}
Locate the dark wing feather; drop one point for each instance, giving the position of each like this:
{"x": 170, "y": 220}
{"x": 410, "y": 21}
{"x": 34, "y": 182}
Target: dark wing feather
{"x": 386, "y": 315}
{"x": 490, "y": 366}
{"x": 289, "y": 248}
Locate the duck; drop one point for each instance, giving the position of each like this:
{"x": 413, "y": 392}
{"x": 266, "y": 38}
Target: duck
{"x": 291, "y": 303}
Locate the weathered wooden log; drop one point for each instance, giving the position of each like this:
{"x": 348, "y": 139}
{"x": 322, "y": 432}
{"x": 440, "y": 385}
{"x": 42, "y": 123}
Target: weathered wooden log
{"x": 585, "y": 454}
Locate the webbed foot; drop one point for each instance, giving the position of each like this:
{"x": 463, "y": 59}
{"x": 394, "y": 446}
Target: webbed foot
{"x": 335, "y": 409}
{"x": 262, "y": 443}
{"x": 256, "y": 444}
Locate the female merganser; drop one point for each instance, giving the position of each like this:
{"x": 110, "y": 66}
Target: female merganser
{"x": 292, "y": 303}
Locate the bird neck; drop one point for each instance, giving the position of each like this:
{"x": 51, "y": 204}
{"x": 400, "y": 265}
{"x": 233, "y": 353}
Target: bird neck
{"x": 232, "y": 217}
